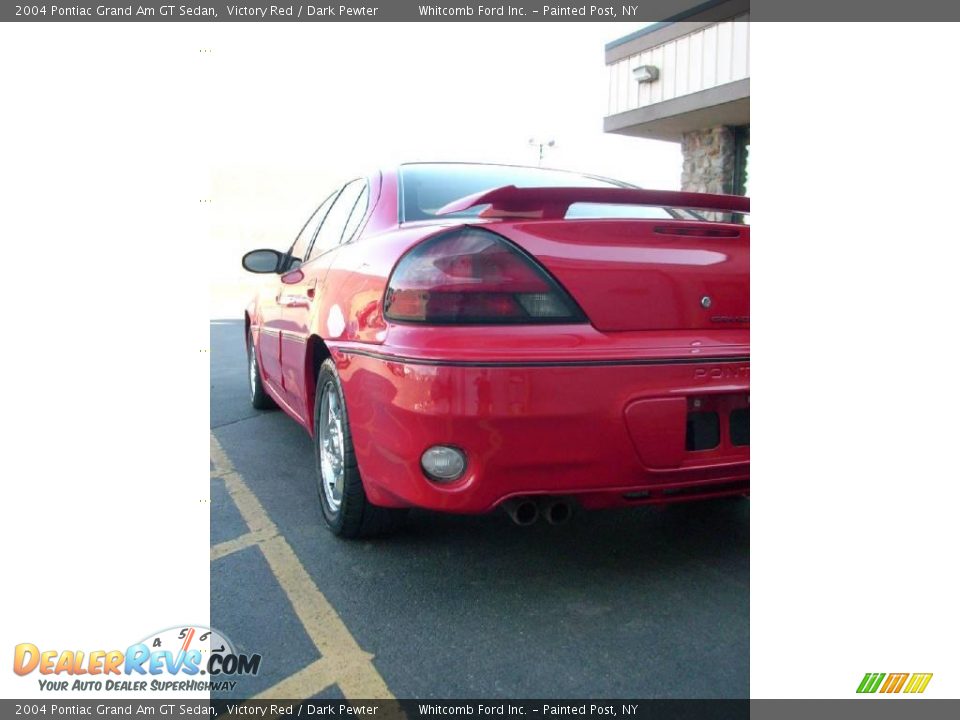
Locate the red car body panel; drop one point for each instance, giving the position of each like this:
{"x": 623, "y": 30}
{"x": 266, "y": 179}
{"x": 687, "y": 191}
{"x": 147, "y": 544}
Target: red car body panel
{"x": 596, "y": 411}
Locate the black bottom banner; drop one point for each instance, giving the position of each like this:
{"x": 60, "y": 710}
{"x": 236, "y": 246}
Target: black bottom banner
{"x": 876, "y": 709}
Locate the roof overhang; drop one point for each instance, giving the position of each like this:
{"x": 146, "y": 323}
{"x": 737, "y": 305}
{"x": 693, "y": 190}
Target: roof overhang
{"x": 727, "y": 104}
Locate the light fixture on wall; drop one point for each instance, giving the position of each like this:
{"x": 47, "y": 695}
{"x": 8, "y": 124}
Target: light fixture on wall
{"x": 645, "y": 73}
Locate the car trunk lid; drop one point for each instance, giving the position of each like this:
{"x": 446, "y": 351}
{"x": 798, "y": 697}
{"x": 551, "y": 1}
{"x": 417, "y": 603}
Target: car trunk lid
{"x": 641, "y": 273}
{"x": 645, "y": 274}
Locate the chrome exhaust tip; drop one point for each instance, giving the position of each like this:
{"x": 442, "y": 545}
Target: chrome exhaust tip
{"x": 558, "y": 511}
{"x": 523, "y": 511}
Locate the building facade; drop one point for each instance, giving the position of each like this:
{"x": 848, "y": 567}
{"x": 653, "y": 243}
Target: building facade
{"x": 687, "y": 80}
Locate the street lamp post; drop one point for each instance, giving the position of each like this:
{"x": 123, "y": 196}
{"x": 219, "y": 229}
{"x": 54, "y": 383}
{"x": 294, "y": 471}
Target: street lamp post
{"x": 540, "y": 145}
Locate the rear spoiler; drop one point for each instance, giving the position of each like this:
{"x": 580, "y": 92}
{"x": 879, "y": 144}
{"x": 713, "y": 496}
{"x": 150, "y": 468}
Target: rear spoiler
{"x": 553, "y": 202}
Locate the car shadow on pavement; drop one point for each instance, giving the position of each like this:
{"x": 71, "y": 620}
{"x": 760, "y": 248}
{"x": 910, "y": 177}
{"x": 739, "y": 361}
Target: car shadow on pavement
{"x": 597, "y": 544}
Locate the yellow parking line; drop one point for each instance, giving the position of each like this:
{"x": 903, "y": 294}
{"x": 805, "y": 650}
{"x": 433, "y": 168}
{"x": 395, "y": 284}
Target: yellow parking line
{"x": 320, "y": 672}
{"x": 228, "y": 547}
{"x": 343, "y": 661}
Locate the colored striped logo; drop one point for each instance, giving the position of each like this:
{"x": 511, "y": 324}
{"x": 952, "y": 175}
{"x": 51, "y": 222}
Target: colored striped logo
{"x": 894, "y": 682}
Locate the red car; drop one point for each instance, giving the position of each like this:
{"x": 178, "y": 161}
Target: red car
{"x": 461, "y": 337}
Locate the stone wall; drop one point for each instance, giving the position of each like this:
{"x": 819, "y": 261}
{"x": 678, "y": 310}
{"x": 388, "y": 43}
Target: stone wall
{"x": 709, "y": 160}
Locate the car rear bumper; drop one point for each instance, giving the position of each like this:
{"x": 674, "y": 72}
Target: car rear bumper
{"x": 605, "y": 433}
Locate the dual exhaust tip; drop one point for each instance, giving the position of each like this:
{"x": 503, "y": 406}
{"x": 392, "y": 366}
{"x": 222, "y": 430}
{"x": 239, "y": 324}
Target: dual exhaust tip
{"x": 525, "y": 511}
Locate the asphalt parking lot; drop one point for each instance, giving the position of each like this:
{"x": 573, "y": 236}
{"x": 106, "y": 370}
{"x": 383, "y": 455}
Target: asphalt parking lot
{"x": 646, "y": 602}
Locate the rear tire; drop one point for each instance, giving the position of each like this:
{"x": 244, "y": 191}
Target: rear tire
{"x": 258, "y": 394}
{"x": 346, "y": 510}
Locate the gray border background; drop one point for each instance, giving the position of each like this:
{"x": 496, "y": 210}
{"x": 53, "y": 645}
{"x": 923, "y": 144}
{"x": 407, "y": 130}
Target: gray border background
{"x": 879, "y": 708}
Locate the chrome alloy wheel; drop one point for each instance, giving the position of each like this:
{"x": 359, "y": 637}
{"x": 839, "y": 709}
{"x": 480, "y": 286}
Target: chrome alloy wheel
{"x": 330, "y": 428}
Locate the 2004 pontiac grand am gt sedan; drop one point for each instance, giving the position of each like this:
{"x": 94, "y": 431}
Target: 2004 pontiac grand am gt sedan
{"x": 460, "y": 337}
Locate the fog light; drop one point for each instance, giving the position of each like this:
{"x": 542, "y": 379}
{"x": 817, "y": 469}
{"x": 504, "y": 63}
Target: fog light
{"x": 443, "y": 464}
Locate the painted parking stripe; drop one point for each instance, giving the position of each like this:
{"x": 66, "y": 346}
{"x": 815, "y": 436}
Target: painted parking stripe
{"x": 343, "y": 663}
{"x": 228, "y": 547}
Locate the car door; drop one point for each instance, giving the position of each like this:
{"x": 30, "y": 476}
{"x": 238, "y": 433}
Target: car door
{"x": 300, "y": 298}
{"x": 271, "y": 303}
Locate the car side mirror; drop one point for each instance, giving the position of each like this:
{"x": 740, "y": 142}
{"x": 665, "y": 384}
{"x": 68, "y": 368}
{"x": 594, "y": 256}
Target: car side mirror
{"x": 262, "y": 261}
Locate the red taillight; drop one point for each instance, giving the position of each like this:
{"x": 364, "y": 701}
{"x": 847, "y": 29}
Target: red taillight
{"x": 474, "y": 276}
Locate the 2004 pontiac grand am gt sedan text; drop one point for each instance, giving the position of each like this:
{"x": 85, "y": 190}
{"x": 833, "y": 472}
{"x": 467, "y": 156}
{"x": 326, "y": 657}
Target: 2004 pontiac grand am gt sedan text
{"x": 461, "y": 337}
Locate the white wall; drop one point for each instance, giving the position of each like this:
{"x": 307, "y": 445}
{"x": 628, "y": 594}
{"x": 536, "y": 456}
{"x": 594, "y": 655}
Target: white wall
{"x": 711, "y": 56}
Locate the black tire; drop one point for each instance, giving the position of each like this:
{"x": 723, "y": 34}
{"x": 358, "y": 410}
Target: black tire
{"x": 356, "y": 516}
{"x": 258, "y": 394}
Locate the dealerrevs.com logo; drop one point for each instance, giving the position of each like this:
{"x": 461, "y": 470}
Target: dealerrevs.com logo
{"x": 911, "y": 683}
{"x": 183, "y": 659}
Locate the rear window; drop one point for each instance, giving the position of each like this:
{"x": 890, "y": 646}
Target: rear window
{"x": 425, "y": 188}
{"x": 606, "y": 210}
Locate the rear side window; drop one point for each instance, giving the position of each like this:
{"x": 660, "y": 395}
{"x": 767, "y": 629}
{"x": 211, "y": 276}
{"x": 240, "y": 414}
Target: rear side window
{"x": 335, "y": 224}
{"x": 356, "y": 217}
{"x": 298, "y": 252}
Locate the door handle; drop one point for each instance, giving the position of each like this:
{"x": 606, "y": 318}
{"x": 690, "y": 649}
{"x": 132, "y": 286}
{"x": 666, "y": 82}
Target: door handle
{"x": 293, "y": 301}
{"x": 297, "y": 299}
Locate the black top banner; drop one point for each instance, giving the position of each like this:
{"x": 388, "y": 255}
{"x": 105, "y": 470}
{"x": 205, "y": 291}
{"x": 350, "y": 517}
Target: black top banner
{"x": 359, "y": 11}
{"x": 492, "y": 11}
